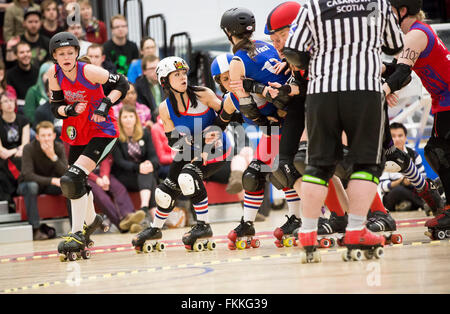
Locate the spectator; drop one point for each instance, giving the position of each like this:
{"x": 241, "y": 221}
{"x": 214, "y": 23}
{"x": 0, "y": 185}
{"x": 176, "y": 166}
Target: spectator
{"x": 398, "y": 193}
{"x": 43, "y": 163}
{"x": 76, "y": 29}
{"x": 119, "y": 49}
{"x": 37, "y": 94}
{"x": 50, "y": 26}
{"x": 97, "y": 57}
{"x": 94, "y": 29}
{"x": 135, "y": 159}
{"x": 44, "y": 113}
{"x": 24, "y": 74}
{"x": 112, "y": 198}
{"x": 14, "y": 135}
{"x": 13, "y": 23}
{"x": 4, "y": 87}
{"x": 5, "y": 4}
{"x": 64, "y": 14}
{"x": 163, "y": 150}
{"x": 148, "y": 89}
{"x": 143, "y": 112}
{"x": 148, "y": 48}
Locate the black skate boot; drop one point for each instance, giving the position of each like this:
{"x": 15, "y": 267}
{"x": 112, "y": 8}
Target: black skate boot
{"x": 197, "y": 239}
{"x": 380, "y": 222}
{"x": 439, "y": 227}
{"x": 331, "y": 231}
{"x": 141, "y": 243}
{"x": 89, "y": 230}
{"x": 285, "y": 234}
{"x": 430, "y": 194}
{"x": 241, "y": 237}
{"x": 73, "y": 247}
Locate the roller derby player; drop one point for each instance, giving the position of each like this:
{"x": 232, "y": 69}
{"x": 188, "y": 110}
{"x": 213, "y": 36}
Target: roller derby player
{"x": 89, "y": 127}
{"x": 188, "y": 114}
{"x": 347, "y": 94}
{"x": 426, "y": 55}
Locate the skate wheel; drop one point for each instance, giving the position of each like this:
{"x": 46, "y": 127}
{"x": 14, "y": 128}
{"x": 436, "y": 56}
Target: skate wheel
{"x": 90, "y": 244}
{"x": 447, "y": 233}
{"x": 295, "y": 242}
{"x": 317, "y": 258}
{"x": 340, "y": 242}
{"x": 303, "y": 258}
{"x": 62, "y": 258}
{"x": 160, "y": 246}
{"x": 241, "y": 245}
{"x": 288, "y": 242}
{"x": 231, "y": 246}
{"x": 345, "y": 256}
{"x": 105, "y": 228}
{"x": 379, "y": 252}
{"x": 397, "y": 239}
{"x": 255, "y": 243}
{"x": 86, "y": 254}
{"x": 198, "y": 247}
{"x": 440, "y": 235}
{"x": 278, "y": 244}
{"x": 211, "y": 245}
{"x": 368, "y": 254}
{"x": 430, "y": 235}
{"x": 325, "y": 243}
{"x": 72, "y": 256}
{"x": 333, "y": 242}
{"x": 147, "y": 248}
{"x": 356, "y": 255}
{"x": 278, "y": 233}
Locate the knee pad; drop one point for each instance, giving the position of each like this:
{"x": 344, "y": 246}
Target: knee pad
{"x": 437, "y": 154}
{"x": 396, "y": 160}
{"x": 344, "y": 168}
{"x": 74, "y": 183}
{"x": 367, "y": 173}
{"x": 300, "y": 158}
{"x": 191, "y": 184}
{"x": 285, "y": 176}
{"x": 253, "y": 179}
{"x": 318, "y": 174}
{"x": 165, "y": 196}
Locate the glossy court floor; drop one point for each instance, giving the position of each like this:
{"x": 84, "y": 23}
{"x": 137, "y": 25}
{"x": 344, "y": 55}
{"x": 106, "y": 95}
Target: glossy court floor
{"x": 419, "y": 265}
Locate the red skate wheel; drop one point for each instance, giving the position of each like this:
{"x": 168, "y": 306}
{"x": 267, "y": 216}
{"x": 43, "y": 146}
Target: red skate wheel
{"x": 295, "y": 242}
{"x": 278, "y": 244}
{"x": 255, "y": 243}
{"x": 232, "y": 236}
{"x": 325, "y": 243}
{"x": 278, "y": 233}
{"x": 397, "y": 238}
{"x": 231, "y": 246}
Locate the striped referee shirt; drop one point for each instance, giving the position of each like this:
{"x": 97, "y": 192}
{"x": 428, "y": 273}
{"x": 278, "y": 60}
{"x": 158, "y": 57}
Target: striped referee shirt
{"x": 345, "y": 40}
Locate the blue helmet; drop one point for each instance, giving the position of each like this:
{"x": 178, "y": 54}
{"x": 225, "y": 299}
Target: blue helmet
{"x": 221, "y": 64}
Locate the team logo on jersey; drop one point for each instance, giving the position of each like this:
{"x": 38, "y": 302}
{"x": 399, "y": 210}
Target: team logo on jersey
{"x": 72, "y": 97}
{"x": 71, "y": 132}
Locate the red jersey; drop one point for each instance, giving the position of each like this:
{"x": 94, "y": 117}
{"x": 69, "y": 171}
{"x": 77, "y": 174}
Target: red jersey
{"x": 81, "y": 129}
{"x": 433, "y": 68}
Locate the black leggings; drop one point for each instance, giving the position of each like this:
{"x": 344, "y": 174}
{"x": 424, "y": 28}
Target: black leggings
{"x": 97, "y": 149}
{"x": 293, "y": 127}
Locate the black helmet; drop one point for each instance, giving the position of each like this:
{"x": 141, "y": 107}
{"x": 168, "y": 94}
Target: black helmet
{"x": 63, "y": 39}
{"x": 238, "y": 21}
{"x": 413, "y": 6}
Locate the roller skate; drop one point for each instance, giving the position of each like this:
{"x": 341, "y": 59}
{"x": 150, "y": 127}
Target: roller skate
{"x": 431, "y": 196}
{"x": 141, "y": 241}
{"x": 197, "y": 239}
{"x": 309, "y": 253}
{"x": 331, "y": 231}
{"x": 285, "y": 234}
{"x": 242, "y": 236}
{"x": 73, "y": 247}
{"x": 380, "y": 222}
{"x": 89, "y": 230}
{"x": 439, "y": 227}
{"x": 359, "y": 242}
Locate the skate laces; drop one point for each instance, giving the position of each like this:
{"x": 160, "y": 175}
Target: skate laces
{"x": 70, "y": 237}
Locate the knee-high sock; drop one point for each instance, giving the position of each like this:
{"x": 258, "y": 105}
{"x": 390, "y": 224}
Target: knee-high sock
{"x": 293, "y": 201}
{"x": 332, "y": 201}
{"x": 252, "y": 202}
{"x": 377, "y": 205}
{"x": 160, "y": 218}
{"x": 79, "y": 212}
{"x": 414, "y": 176}
{"x": 201, "y": 210}
{"x": 90, "y": 209}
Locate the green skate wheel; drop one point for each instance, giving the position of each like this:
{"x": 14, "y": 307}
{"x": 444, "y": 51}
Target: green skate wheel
{"x": 211, "y": 245}
{"x": 356, "y": 255}
{"x": 379, "y": 252}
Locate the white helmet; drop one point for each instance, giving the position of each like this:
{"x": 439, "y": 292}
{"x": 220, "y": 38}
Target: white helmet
{"x": 169, "y": 65}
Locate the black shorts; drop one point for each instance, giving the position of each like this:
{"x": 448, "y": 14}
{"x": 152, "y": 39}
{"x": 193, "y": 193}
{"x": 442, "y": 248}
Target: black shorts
{"x": 97, "y": 149}
{"x": 360, "y": 114}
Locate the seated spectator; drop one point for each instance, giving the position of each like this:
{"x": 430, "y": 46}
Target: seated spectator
{"x": 119, "y": 50}
{"x": 64, "y": 12}
{"x": 43, "y": 163}
{"x": 24, "y": 74}
{"x": 94, "y": 29}
{"x": 97, "y": 57}
{"x": 50, "y": 26}
{"x": 38, "y": 43}
{"x": 143, "y": 112}
{"x": 13, "y": 22}
{"x": 163, "y": 150}
{"x": 14, "y": 135}
{"x": 148, "y": 89}
{"x": 76, "y": 29}
{"x": 37, "y": 94}
{"x": 4, "y": 87}
{"x": 135, "y": 160}
{"x": 148, "y": 48}
{"x": 398, "y": 193}
{"x": 112, "y": 198}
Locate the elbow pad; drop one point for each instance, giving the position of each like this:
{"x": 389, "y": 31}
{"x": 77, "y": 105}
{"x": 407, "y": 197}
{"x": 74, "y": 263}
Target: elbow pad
{"x": 400, "y": 78}
{"x": 57, "y": 100}
{"x": 250, "y": 110}
{"x": 299, "y": 59}
{"x": 251, "y": 86}
{"x": 222, "y": 120}
{"x": 120, "y": 83}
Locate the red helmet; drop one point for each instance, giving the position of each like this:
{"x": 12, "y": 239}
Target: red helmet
{"x": 281, "y": 17}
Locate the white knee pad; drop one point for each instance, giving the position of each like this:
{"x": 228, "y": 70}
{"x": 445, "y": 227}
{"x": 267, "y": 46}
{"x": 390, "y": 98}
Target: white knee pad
{"x": 187, "y": 184}
{"x": 163, "y": 199}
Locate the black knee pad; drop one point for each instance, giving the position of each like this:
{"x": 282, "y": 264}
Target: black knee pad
{"x": 253, "y": 180}
{"x": 191, "y": 184}
{"x": 396, "y": 160}
{"x": 318, "y": 174}
{"x": 285, "y": 176}
{"x": 300, "y": 158}
{"x": 344, "y": 168}
{"x": 165, "y": 195}
{"x": 437, "y": 154}
{"x": 74, "y": 183}
{"x": 367, "y": 172}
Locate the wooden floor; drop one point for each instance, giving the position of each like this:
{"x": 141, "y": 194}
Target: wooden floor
{"x": 417, "y": 266}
